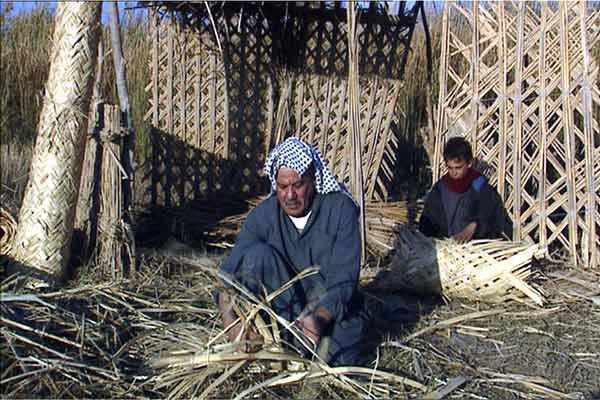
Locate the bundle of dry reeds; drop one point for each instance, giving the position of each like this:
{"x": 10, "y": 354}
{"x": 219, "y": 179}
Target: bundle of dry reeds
{"x": 208, "y": 222}
{"x": 8, "y": 228}
{"x": 46, "y": 216}
{"x": 482, "y": 270}
{"x": 82, "y": 341}
{"x": 385, "y": 220}
{"x": 189, "y": 358}
{"x": 224, "y": 232}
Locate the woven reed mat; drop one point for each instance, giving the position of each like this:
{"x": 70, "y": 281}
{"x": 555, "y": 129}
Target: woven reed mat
{"x": 8, "y": 229}
{"x": 484, "y": 270}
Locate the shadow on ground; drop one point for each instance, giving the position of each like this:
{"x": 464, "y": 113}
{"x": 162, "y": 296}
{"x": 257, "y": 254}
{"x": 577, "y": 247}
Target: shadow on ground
{"x": 393, "y": 315}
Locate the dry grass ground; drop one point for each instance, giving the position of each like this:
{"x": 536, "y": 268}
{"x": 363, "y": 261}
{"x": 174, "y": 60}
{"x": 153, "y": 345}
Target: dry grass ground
{"x": 516, "y": 351}
{"x": 96, "y": 338}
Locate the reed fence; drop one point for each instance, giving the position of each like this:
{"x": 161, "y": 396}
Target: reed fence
{"x": 229, "y": 83}
{"x": 518, "y": 80}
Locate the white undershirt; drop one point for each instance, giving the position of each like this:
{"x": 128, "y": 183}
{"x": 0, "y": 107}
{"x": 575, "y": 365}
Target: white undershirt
{"x": 300, "y": 222}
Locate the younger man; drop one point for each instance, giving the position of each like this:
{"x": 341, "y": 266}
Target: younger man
{"x": 462, "y": 204}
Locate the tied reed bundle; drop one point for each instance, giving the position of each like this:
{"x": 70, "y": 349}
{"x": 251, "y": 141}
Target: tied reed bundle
{"x": 8, "y": 228}
{"x": 483, "y": 270}
{"x": 385, "y": 220}
{"x": 43, "y": 237}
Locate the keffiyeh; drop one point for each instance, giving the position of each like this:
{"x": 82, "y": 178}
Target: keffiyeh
{"x": 295, "y": 154}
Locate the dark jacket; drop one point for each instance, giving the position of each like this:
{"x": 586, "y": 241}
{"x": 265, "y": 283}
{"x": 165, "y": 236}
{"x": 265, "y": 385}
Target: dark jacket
{"x": 481, "y": 203}
{"x": 330, "y": 240}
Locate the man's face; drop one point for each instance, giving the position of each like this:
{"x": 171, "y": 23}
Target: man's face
{"x": 457, "y": 168}
{"x": 295, "y": 192}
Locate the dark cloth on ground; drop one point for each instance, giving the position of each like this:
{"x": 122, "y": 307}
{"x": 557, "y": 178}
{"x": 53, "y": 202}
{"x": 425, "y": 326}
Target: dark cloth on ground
{"x": 448, "y": 212}
{"x": 270, "y": 250}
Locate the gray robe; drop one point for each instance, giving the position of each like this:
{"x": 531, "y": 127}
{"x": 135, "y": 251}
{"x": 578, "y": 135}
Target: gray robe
{"x": 270, "y": 250}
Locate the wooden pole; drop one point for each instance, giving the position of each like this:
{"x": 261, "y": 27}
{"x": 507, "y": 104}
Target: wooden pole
{"x": 121, "y": 77}
{"x": 542, "y": 200}
{"x": 429, "y": 140}
{"x": 86, "y": 218}
{"x": 568, "y": 130}
{"x": 504, "y": 118}
{"x": 475, "y": 79}
{"x": 128, "y": 139}
{"x": 441, "y": 111}
{"x": 354, "y": 121}
{"x": 589, "y": 249}
{"x": 517, "y": 124}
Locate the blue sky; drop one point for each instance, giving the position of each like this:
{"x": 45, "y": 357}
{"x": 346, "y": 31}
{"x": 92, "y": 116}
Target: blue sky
{"x": 24, "y": 6}
{"x": 19, "y": 6}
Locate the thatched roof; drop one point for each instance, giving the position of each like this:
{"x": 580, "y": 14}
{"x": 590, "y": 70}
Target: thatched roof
{"x": 310, "y": 36}
{"x": 377, "y": 12}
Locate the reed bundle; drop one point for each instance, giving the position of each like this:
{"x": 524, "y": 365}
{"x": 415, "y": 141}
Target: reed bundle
{"x": 483, "y": 270}
{"x": 8, "y": 229}
{"x": 185, "y": 365}
{"x": 224, "y": 232}
{"x": 385, "y": 220}
{"x": 218, "y": 223}
{"x": 46, "y": 216}
{"x": 213, "y": 223}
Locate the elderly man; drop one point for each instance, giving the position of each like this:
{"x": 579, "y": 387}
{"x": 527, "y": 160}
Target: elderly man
{"x": 311, "y": 221}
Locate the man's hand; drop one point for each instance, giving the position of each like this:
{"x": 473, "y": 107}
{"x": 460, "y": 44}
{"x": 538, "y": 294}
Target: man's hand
{"x": 250, "y": 341}
{"x": 466, "y": 234}
{"x": 310, "y": 327}
{"x": 314, "y": 324}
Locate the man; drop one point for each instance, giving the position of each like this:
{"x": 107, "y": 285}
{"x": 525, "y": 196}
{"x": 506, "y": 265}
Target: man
{"x": 311, "y": 221}
{"x": 462, "y": 204}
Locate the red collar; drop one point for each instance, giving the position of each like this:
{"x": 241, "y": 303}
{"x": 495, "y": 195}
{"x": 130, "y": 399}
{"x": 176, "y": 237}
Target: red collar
{"x": 461, "y": 185}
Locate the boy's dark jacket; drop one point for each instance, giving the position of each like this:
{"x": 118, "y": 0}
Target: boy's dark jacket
{"x": 488, "y": 211}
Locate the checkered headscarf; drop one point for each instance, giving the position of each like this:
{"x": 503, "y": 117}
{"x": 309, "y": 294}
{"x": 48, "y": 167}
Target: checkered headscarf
{"x": 295, "y": 154}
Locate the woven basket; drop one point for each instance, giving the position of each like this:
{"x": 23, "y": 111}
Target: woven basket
{"x": 483, "y": 270}
{"x": 8, "y": 229}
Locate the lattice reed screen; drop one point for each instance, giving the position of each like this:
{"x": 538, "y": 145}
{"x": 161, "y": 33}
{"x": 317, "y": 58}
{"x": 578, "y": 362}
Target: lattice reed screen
{"x": 215, "y": 117}
{"x": 189, "y": 106}
{"x": 319, "y": 110}
{"x": 518, "y": 80}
